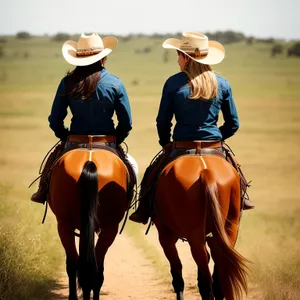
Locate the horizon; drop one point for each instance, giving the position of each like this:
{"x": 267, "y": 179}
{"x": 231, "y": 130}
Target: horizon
{"x": 260, "y": 19}
{"x": 141, "y": 34}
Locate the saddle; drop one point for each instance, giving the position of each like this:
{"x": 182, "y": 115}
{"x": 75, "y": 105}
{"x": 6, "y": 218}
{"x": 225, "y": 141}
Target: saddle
{"x": 90, "y": 142}
{"x": 163, "y": 158}
{"x": 213, "y": 148}
{"x": 108, "y": 143}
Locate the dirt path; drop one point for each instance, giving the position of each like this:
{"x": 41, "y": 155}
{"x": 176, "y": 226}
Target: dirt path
{"x": 130, "y": 275}
{"x": 190, "y": 270}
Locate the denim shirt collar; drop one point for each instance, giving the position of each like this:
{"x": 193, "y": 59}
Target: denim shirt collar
{"x": 103, "y": 72}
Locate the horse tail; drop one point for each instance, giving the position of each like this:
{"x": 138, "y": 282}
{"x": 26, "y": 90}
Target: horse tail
{"x": 88, "y": 193}
{"x": 231, "y": 265}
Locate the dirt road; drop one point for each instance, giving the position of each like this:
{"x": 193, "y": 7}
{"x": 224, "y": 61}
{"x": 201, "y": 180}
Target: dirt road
{"x": 130, "y": 275}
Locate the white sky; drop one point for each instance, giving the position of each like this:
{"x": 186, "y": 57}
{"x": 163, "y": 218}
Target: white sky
{"x": 260, "y": 18}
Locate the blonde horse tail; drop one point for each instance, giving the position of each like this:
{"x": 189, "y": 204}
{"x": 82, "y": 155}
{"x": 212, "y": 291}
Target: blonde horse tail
{"x": 231, "y": 265}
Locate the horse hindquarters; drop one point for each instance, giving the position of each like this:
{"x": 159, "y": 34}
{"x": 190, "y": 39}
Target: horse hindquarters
{"x": 231, "y": 265}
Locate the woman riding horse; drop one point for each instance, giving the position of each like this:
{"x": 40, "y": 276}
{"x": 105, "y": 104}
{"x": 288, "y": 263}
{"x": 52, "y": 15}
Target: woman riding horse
{"x": 195, "y": 96}
{"x": 88, "y": 186}
{"x": 193, "y": 192}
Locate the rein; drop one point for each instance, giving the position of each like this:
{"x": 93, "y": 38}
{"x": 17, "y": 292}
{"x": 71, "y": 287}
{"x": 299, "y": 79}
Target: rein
{"x": 40, "y": 175}
{"x": 133, "y": 200}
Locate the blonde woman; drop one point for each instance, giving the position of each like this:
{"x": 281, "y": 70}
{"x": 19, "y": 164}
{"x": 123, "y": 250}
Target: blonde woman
{"x": 195, "y": 96}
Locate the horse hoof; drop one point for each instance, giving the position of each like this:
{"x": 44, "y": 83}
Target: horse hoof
{"x": 179, "y": 296}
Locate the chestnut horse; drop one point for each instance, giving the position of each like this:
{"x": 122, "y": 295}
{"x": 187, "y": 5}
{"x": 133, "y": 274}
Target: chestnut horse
{"x": 88, "y": 192}
{"x": 198, "y": 199}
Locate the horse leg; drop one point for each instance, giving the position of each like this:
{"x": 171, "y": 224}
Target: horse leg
{"x": 200, "y": 255}
{"x": 72, "y": 274}
{"x": 105, "y": 240}
{"x": 168, "y": 243}
{"x": 66, "y": 234}
{"x": 216, "y": 285}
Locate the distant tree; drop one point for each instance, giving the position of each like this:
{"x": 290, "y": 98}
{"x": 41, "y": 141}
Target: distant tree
{"x": 294, "y": 50}
{"x": 226, "y": 37}
{"x": 1, "y": 52}
{"x": 266, "y": 41}
{"x": 61, "y": 37}
{"x": 276, "y": 49}
{"x": 166, "y": 56}
{"x": 125, "y": 38}
{"x": 250, "y": 40}
{"x": 23, "y": 35}
{"x": 158, "y": 35}
{"x": 144, "y": 50}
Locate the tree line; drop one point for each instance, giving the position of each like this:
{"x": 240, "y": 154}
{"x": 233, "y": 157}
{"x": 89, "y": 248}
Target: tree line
{"x": 224, "y": 37}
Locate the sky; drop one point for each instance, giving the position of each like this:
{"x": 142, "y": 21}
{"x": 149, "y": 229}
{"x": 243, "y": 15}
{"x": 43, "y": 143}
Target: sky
{"x": 258, "y": 18}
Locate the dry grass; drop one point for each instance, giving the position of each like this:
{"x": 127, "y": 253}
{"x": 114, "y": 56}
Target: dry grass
{"x": 267, "y": 95}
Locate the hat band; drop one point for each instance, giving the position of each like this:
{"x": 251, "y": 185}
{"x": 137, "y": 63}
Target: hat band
{"x": 195, "y": 52}
{"x": 90, "y": 51}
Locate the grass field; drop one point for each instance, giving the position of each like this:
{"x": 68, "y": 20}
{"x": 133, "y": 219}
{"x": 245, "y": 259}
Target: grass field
{"x": 267, "y": 95}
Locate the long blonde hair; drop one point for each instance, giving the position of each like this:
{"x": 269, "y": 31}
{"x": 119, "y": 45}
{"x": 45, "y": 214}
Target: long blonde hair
{"x": 203, "y": 81}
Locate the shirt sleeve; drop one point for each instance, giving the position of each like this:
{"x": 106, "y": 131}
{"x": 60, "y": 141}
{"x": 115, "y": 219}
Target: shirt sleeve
{"x": 165, "y": 115}
{"x": 123, "y": 112}
{"x": 230, "y": 116}
{"x": 59, "y": 112}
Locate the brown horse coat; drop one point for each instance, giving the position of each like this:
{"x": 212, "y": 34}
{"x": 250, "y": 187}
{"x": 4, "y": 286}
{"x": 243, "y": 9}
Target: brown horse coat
{"x": 198, "y": 198}
{"x": 88, "y": 192}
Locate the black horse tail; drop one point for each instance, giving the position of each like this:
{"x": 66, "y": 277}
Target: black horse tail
{"x": 232, "y": 266}
{"x": 88, "y": 193}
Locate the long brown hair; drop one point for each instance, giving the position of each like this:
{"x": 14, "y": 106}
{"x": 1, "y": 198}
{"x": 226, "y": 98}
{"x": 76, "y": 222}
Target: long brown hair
{"x": 203, "y": 81}
{"x": 82, "y": 81}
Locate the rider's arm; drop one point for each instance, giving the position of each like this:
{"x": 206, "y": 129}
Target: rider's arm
{"x": 123, "y": 112}
{"x": 59, "y": 112}
{"x": 164, "y": 117}
{"x": 230, "y": 115}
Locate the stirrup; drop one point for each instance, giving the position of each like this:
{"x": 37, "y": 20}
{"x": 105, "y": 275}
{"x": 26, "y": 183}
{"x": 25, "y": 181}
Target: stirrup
{"x": 138, "y": 218}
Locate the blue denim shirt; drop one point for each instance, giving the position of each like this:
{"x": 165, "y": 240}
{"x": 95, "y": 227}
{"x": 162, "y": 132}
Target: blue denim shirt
{"x": 195, "y": 119}
{"x": 93, "y": 116}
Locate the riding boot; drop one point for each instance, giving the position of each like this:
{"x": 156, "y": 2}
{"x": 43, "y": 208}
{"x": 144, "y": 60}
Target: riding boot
{"x": 41, "y": 195}
{"x": 248, "y": 204}
{"x": 142, "y": 214}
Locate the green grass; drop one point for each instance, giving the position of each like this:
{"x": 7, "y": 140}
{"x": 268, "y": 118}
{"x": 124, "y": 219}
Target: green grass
{"x": 267, "y": 95}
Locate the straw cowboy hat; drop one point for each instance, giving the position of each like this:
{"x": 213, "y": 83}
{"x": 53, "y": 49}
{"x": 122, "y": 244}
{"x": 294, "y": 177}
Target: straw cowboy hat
{"x": 88, "y": 50}
{"x": 197, "y": 46}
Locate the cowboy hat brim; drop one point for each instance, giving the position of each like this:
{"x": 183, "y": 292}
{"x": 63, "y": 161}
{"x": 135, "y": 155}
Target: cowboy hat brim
{"x": 216, "y": 52}
{"x": 70, "y": 54}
